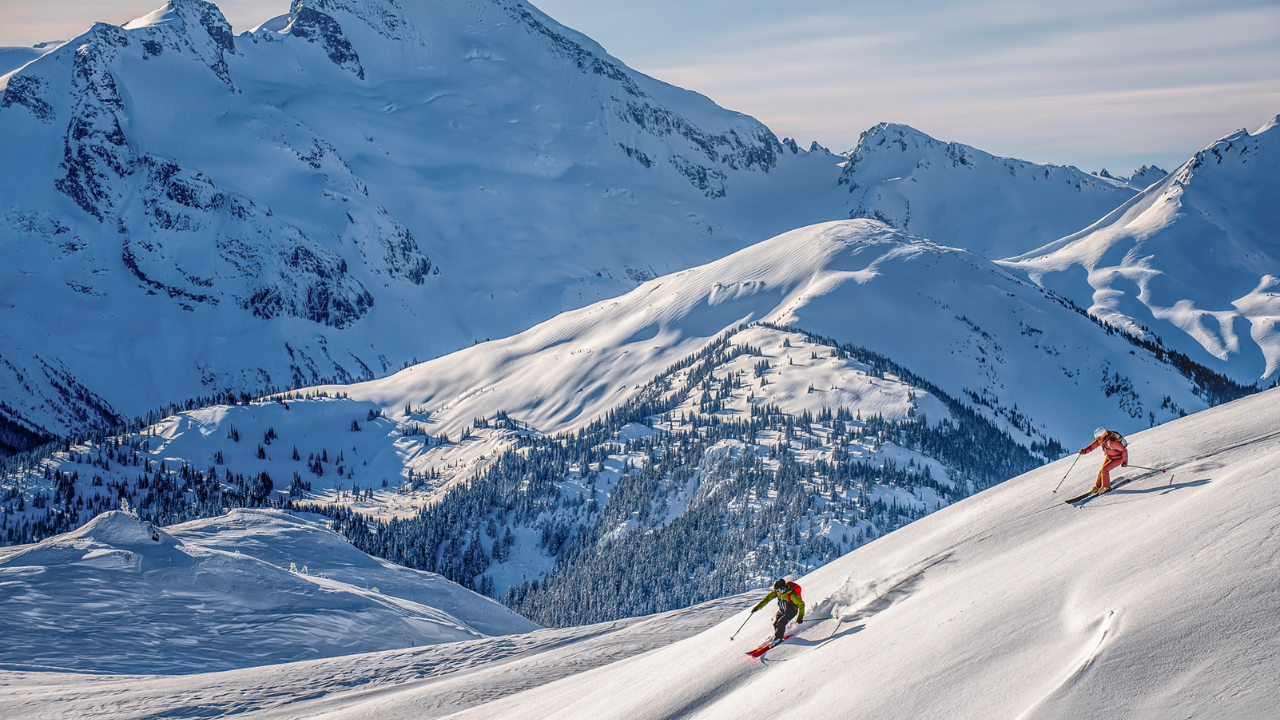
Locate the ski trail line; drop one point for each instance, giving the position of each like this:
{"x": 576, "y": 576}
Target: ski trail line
{"x": 1086, "y": 659}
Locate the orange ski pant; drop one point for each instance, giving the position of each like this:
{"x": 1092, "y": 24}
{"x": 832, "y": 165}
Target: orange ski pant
{"x": 1104, "y": 475}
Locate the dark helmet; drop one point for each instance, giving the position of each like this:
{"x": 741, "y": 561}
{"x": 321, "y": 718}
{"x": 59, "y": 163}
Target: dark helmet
{"x": 780, "y": 584}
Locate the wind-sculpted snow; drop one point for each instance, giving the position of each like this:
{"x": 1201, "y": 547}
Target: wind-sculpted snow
{"x": 944, "y": 190}
{"x": 508, "y": 664}
{"x": 1194, "y": 259}
{"x": 12, "y": 58}
{"x": 250, "y": 588}
{"x": 1156, "y": 600}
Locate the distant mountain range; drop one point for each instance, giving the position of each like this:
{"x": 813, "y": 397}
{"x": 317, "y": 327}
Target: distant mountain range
{"x": 1193, "y": 259}
{"x": 361, "y": 183}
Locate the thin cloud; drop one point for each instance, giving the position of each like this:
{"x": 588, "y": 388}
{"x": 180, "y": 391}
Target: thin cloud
{"x": 1082, "y": 90}
{"x": 1084, "y": 82}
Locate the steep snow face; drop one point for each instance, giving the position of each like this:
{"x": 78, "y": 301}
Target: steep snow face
{"x": 12, "y": 58}
{"x": 249, "y": 588}
{"x": 1194, "y": 259}
{"x": 1155, "y": 600}
{"x": 956, "y": 195}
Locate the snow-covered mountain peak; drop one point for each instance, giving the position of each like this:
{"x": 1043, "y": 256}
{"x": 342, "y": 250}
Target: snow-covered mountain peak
{"x": 185, "y": 187}
{"x": 192, "y": 24}
{"x": 939, "y": 190}
{"x": 1144, "y": 176}
{"x": 1141, "y": 178}
{"x": 1200, "y": 248}
{"x": 120, "y": 529}
{"x": 302, "y": 203}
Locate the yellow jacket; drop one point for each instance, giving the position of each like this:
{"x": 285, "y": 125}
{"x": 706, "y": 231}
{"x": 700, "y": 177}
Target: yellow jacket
{"x": 790, "y": 595}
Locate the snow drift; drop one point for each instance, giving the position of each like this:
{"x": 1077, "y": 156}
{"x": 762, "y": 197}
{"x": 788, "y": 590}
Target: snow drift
{"x": 245, "y": 589}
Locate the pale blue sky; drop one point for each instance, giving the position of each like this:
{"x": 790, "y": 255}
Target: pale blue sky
{"x": 1092, "y": 83}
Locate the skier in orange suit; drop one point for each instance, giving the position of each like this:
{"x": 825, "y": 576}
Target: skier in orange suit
{"x": 1112, "y": 443}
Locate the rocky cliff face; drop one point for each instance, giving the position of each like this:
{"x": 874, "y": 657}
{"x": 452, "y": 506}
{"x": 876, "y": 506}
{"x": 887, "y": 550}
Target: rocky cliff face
{"x": 175, "y": 176}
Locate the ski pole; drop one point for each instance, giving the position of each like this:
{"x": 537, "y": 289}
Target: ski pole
{"x": 820, "y": 619}
{"x": 744, "y": 624}
{"x": 1141, "y": 467}
{"x": 1068, "y": 472}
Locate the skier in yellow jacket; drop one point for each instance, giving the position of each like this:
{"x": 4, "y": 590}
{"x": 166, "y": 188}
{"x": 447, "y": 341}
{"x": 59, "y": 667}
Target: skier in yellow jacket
{"x": 789, "y": 604}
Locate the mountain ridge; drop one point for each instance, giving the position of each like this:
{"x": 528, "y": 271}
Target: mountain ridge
{"x": 1199, "y": 246}
{"x": 490, "y": 170}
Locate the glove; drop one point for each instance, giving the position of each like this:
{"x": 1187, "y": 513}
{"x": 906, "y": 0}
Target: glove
{"x": 1080, "y": 453}
{"x": 1124, "y": 464}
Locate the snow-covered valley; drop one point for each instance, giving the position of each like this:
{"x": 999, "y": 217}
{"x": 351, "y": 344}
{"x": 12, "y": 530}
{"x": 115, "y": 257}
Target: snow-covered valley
{"x": 1153, "y": 601}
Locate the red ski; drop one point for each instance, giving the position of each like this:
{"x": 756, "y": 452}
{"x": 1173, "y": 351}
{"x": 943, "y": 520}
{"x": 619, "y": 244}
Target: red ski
{"x": 760, "y": 651}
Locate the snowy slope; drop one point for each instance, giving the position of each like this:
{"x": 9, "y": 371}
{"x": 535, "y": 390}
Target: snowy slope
{"x": 119, "y": 595}
{"x": 12, "y": 58}
{"x": 463, "y": 674}
{"x": 1194, "y": 259}
{"x": 365, "y": 182}
{"x": 957, "y": 195}
{"x": 1155, "y": 601}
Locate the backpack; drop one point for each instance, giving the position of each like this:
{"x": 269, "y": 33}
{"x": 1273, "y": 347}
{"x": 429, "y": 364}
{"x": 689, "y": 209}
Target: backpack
{"x": 1117, "y": 436}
